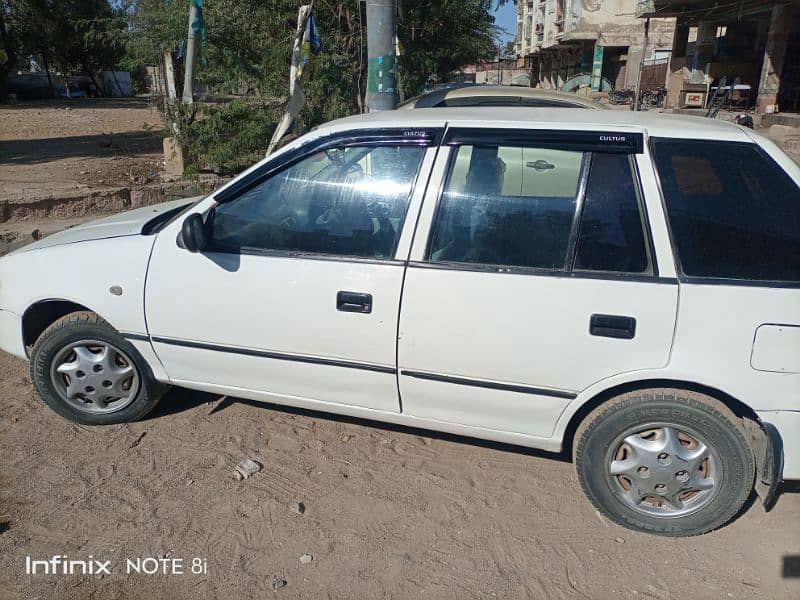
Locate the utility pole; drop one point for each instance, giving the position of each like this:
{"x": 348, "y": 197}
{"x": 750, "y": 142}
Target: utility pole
{"x": 188, "y": 77}
{"x": 636, "y": 103}
{"x": 381, "y": 55}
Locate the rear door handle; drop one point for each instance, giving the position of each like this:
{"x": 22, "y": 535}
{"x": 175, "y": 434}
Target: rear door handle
{"x": 354, "y": 302}
{"x": 613, "y": 326}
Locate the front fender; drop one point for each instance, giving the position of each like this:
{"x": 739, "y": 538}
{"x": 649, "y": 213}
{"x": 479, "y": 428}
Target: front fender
{"x": 82, "y": 273}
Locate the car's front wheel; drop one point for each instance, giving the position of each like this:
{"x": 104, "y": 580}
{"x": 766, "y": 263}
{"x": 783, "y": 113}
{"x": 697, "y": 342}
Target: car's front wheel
{"x": 664, "y": 461}
{"x": 87, "y": 372}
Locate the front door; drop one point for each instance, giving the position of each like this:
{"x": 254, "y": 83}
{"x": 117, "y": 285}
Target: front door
{"x": 298, "y": 295}
{"x": 537, "y": 280}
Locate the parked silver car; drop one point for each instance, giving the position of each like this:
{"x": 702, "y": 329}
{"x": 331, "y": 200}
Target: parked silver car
{"x": 498, "y": 95}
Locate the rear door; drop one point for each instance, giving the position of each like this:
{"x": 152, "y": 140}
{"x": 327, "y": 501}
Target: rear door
{"x": 532, "y": 277}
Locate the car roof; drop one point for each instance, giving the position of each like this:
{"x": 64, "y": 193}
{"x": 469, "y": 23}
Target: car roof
{"x": 651, "y": 123}
{"x": 431, "y": 99}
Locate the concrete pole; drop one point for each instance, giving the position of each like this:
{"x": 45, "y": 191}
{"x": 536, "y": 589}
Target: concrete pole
{"x": 381, "y": 55}
{"x": 673, "y": 81}
{"x": 188, "y": 77}
{"x": 636, "y": 103}
{"x": 769, "y": 82}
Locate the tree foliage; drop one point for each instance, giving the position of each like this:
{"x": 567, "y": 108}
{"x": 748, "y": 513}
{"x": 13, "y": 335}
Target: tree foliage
{"x": 439, "y": 37}
{"x": 71, "y": 35}
{"x": 248, "y": 52}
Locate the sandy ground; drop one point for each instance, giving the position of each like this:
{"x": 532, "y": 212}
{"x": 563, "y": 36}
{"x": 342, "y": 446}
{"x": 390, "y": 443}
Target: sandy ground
{"x": 46, "y": 146}
{"x": 390, "y": 513}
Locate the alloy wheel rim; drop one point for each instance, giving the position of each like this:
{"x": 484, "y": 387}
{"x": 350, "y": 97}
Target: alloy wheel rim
{"x": 95, "y": 377}
{"x": 663, "y": 470}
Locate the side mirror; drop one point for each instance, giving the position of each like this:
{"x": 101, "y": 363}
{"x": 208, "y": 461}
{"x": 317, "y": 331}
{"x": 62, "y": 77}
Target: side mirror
{"x": 193, "y": 233}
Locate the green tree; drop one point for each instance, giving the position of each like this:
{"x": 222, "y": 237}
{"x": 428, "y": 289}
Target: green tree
{"x": 72, "y": 35}
{"x": 16, "y": 32}
{"x": 439, "y": 37}
{"x": 84, "y": 35}
{"x": 249, "y": 49}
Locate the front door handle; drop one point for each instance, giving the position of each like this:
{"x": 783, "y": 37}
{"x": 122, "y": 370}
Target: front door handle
{"x": 354, "y": 302}
{"x": 613, "y": 326}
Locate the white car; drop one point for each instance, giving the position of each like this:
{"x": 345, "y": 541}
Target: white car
{"x": 624, "y": 287}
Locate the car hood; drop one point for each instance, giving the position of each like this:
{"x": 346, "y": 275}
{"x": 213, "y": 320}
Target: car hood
{"x": 122, "y": 224}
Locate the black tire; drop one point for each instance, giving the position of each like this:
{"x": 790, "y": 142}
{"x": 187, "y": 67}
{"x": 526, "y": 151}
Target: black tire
{"x": 85, "y": 325}
{"x": 604, "y": 432}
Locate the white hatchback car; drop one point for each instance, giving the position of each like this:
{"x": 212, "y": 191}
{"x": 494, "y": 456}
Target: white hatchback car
{"x": 625, "y": 287}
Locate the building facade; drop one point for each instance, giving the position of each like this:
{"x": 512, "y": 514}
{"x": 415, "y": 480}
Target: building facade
{"x": 601, "y": 43}
{"x": 755, "y": 43}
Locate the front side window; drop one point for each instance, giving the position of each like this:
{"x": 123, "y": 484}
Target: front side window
{"x": 733, "y": 212}
{"x": 345, "y": 201}
{"x": 506, "y": 205}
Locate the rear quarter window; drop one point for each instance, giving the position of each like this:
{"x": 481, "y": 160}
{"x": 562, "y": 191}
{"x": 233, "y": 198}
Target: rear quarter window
{"x": 733, "y": 212}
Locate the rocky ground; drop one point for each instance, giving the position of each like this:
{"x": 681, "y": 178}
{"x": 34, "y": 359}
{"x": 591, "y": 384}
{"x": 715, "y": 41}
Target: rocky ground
{"x": 341, "y": 508}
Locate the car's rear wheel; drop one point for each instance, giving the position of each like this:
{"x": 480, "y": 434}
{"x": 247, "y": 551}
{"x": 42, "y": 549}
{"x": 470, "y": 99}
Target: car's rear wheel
{"x": 669, "y": 462}
{"x": 85, "y": 371}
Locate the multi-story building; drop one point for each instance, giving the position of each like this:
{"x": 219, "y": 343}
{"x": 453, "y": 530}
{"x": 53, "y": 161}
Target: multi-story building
{"x": 600, "y": 40}
{"x": 755, "y": 43}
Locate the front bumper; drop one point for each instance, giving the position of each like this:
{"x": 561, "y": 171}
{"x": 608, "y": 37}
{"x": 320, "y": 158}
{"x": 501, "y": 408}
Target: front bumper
{"x": 787, "y": 422}
{"x": 11, "y": 334}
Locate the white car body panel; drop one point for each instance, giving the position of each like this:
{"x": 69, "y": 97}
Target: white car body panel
{"x": 82, "y": 273}
{"x": 521, "y": 330}
{"x": 268, "y": 290}
{"x": 776, "y": 349}
{"x": 502, "y": 328}
{"x": 11, "y": 333}
{"x": 723, "y": 345}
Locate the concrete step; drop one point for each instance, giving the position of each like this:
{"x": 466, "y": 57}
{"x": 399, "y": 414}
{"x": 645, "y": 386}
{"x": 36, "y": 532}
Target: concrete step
{"x": 36, "y": 205}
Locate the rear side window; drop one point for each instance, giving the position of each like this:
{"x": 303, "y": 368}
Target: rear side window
{"x": 506, "y": 205}
{"x": 515, "y": 206}
{"x": 611, "y": 236}
{"x": 734, "y": 213}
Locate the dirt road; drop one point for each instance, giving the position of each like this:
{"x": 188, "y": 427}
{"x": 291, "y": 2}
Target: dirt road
{"x": 390, "y": 513}
{"x": 49, "y": 146}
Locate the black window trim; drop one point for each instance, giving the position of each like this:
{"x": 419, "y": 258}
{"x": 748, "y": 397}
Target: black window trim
{"x": 702, "y": 280}
{"x": 583, "y": 140}
{"x": 420, "y": 136}
{"x": 492, "y": 138}
{"x": 577, "y": 216}
{"x": 160, "y": 221}
{"x": 539, "y": 272}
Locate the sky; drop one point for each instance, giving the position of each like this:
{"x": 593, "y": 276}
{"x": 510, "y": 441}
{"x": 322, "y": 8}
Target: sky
{"x": 506, "y": 18}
